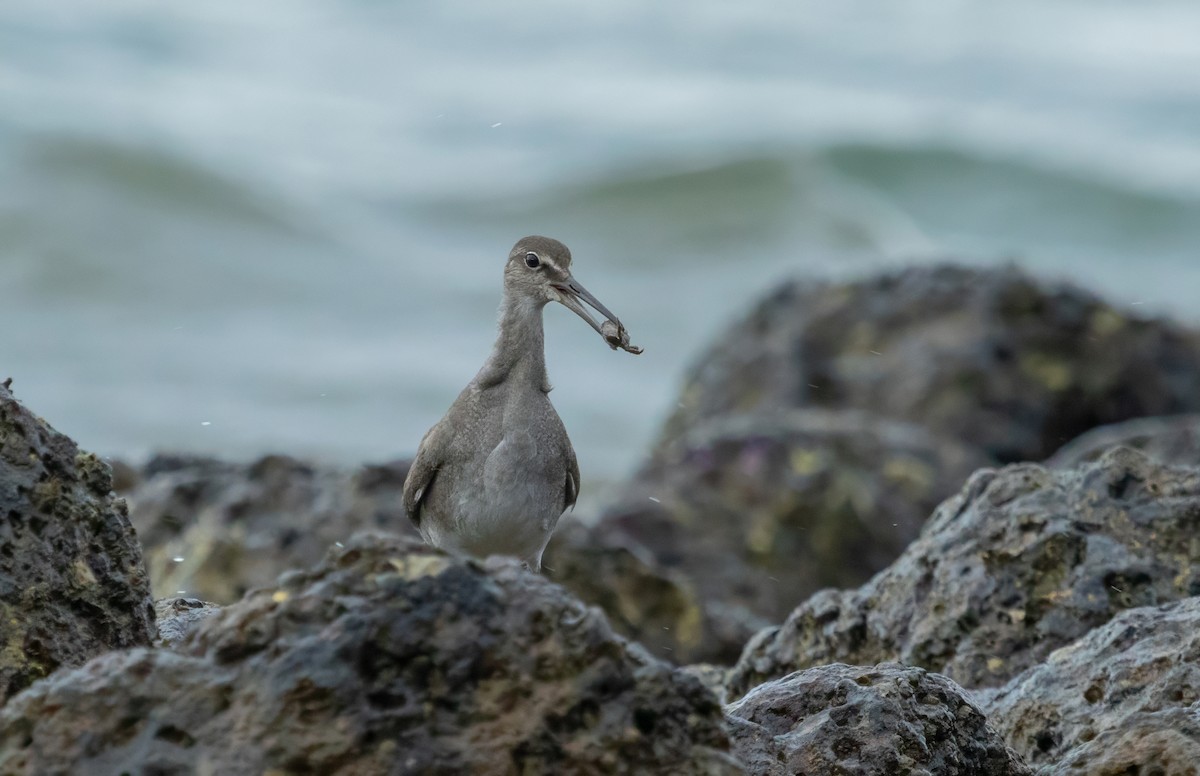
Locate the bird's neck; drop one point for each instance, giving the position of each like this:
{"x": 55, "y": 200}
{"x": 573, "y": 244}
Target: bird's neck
{"x": 520, "y": 350}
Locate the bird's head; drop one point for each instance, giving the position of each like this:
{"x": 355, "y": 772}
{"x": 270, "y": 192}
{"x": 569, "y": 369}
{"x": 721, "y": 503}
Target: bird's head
{"x": 539, "y": 269}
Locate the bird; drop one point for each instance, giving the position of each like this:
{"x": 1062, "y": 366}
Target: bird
{"x": 494, "y": 475}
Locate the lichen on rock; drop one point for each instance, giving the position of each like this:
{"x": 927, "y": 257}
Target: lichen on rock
{"x": 989, "y": 356}
{"x": 756, "y": 512}
{"x": 389, "y": 657}
{"x": 1022, "y": 561}
{"x": 72, "y": 580}
{"x": 214, "y": 529}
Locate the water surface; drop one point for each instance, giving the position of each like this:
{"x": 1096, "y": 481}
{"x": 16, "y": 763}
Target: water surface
{"x": 279, "y": 226}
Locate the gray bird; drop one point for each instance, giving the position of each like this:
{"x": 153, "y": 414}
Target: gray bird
{"x": 493, "y": 476}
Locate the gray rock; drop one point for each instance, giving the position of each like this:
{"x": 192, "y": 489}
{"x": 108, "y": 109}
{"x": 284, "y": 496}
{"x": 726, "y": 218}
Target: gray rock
{"x": 989, "y": 356}
{"x": 72, "y": 581}
{"x": 885, "y": 719}
{"x": 1123, "y": 699}
{"x": 217, "y": 529}
{"x": 388, "y": 658}
{"x": 1174, "y": 439}
{"x": 757, "y": 512}
{"x": 1165, "y": 743}
{"x": 1021, "y": 562}
{"x": 711, "y": 676}
{"x": 214, "y": 529}
{"x": 657, "y": 607}
{"x": 177, "y": 617}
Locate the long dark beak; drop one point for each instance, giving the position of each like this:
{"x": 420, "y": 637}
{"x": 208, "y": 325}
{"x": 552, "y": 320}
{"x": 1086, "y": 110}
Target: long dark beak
{"x": 573, "y": 295}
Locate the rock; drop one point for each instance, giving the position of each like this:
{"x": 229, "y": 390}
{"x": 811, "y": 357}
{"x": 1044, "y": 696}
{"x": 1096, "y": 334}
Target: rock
{"x": 1173, "y": 439}
{"x": 72, "y": 581}
{"x": 1164, "y": 744}
{"x": 711, "y": 676}
{"x": 388, "y": 658}
{"x": 177, "y": 617}
{"x": 1123, "y": 699}
{"x": 757, "y": 512}
{"x": 644, "y": 602}
{"x": 217, "y": 529}
{"x": 214, "y": 530}
{"x": 885, "y": 719}
{"x": 1021, "y": 562}
{"x": 989, "y": 356}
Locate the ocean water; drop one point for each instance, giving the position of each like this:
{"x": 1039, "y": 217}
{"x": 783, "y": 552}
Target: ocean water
{"x": 279, "y": 226}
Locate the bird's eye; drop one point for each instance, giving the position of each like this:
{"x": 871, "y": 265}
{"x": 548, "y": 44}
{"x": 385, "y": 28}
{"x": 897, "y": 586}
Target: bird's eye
{"x": 532, "y": 261}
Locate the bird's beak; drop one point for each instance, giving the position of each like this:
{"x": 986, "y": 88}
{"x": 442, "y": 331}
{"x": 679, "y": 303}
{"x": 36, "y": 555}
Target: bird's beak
{"x": 572, "y": 295}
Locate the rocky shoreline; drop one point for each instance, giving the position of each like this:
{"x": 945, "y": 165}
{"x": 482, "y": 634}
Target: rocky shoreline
{"x": 938, "y": 521}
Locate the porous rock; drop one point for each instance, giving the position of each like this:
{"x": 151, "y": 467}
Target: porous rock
{"x": 643, "y": 601}
{"x": 72, "y": 580}
{"x": 1123, "y": 699}
{"x": 1022, "y": 561}
{"x": 177, "y": 617}
{"x": 388, "y": 658}
{"x": 989, "y": 356}
{"x": 711, "y": 676}
{"x": 884, "y": 719}
{"x": 1174, "y": 439}
{"x": 759, "y": 511}
{"x": 214, "y": 529}
{"x": 1165, "y": 743}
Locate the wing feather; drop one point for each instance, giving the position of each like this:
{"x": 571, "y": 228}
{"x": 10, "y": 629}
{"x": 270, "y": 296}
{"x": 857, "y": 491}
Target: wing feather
{"x": 572, "y": 490}
{"x": 422, "y": 473}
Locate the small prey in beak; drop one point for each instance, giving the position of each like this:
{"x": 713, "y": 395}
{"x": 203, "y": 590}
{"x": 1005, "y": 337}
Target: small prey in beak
{"x": 572, "y": 295}
{"x": 617, "y": 337}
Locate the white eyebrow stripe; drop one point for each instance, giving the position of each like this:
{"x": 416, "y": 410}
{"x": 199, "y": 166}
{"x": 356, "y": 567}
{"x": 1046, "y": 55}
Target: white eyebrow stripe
{"x": 552, "y": 265}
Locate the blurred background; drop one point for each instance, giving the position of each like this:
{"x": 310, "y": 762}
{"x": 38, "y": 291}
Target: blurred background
{"x": 237, "y": 227}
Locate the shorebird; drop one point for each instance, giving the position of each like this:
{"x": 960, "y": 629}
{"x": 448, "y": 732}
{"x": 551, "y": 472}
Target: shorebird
{"x": 493, "y": 476}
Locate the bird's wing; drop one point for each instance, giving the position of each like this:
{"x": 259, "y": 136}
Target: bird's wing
{"x": 422, "y": 473}
{"x": 572, "y": 491}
